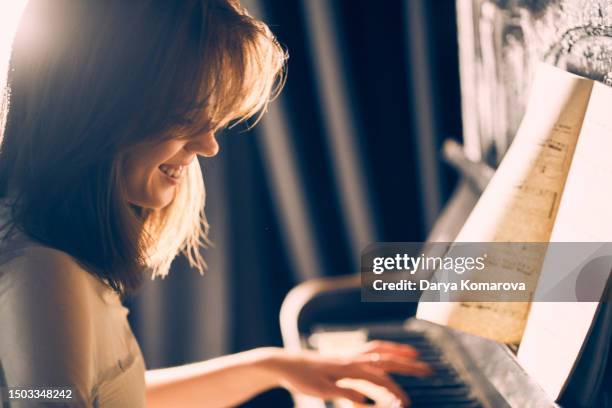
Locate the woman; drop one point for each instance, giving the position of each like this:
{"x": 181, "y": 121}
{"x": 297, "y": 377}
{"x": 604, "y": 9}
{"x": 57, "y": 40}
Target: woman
{"x": 108, "y": 104}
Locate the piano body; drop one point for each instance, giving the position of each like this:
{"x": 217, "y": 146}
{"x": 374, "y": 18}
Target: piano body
{"x": 500, "y": 43}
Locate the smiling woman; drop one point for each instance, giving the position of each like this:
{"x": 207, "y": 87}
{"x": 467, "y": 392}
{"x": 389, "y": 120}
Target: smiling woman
{"x": 107, "y": 106}
{"x": 135, "y": 88}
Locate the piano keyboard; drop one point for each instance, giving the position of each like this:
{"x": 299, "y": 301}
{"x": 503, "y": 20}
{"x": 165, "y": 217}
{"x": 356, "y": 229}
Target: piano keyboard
{"x": 469, "y": 371}
{"x": 445, "y": 388}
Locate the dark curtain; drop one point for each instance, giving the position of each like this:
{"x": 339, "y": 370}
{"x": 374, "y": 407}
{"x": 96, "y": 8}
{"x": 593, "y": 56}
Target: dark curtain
{"x": 347, "y": 155}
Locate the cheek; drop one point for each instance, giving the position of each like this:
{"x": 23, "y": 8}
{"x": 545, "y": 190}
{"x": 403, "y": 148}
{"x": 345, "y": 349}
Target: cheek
{"x": 146, "y": 159}
{"x": 144, "y": 182}
{"x": 136, "y": 173}
{"x": 137, "y": 178}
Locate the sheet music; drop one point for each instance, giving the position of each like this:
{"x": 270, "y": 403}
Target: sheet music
{"x": 556, "y": 331}
{"x": 521, "y": 201}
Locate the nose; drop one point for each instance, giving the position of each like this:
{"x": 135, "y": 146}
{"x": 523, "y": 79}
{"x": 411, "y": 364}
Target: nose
{"x": 204, "y": 145}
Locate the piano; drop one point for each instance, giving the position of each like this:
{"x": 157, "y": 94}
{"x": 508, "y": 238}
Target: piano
{"x": 500, "y": 43}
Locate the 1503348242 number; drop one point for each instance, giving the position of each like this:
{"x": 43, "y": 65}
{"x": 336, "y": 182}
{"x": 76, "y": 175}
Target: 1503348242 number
{"x": 36, "y": 394}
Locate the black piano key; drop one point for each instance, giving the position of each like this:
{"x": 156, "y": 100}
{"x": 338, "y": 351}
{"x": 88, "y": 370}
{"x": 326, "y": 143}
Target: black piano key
{"x": 439, "y": 370}
{"x": 440, "y": 365}
{"x": 412, "y": 342}
{"x": 424, "y": 347}
{"x": 469, "y": 404}
{"x": 397, "y": 337}
{"x": 446, "y": 374}
{"x": 430, "y": 354}
{"x": 430, "y": 385}
{"x": 444, "y": 388}
{"x": 441, "y": 399}
{"x": 417, "y": 382}
{"x": 409, "y": 339}
{"x": 429, "y": 358}
{"x": 428, "y": 351}
{"x": 445, "y": 391}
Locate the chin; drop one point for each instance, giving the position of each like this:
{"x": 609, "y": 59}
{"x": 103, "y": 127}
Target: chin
{"x": 160, "y": 202}
{"x": 154, "y": 202}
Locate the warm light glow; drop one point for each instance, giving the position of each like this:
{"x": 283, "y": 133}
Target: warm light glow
{"x": 10, "y": 13}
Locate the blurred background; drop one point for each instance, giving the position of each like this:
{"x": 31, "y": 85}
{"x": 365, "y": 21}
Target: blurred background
{"x": 346, "y": 156}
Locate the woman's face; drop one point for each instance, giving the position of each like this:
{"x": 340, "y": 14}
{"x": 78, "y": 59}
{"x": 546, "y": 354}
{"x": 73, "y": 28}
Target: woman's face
{"x": 154, "y": 170}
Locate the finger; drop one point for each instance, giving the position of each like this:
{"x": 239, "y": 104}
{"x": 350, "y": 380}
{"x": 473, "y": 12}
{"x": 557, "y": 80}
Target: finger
{"x": 381, "y": 346}
{"x": 324, "y": 388}
{"x": 378, "y": 377}
{"x": 349, "y": 394}
{"x": 391, "y": 363}
{"x": 403, "y": 366}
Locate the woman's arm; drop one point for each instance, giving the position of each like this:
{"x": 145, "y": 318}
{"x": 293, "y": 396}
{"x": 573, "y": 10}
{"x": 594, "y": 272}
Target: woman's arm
{"x": 220, "y": 382}
{"x": 231, "y": 380}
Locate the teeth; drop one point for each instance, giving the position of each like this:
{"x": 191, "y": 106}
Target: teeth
{"x": 174, "y": 172}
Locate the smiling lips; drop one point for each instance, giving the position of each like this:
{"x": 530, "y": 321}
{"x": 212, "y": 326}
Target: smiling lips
{"x": 174, "y": 171}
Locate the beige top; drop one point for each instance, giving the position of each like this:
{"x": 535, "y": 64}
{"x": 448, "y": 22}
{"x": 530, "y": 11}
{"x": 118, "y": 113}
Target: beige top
{"x": 62, "y": 327}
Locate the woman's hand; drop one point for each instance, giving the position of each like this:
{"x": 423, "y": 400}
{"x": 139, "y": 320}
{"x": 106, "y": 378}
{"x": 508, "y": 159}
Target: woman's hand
{"x": 317, "y": 375}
